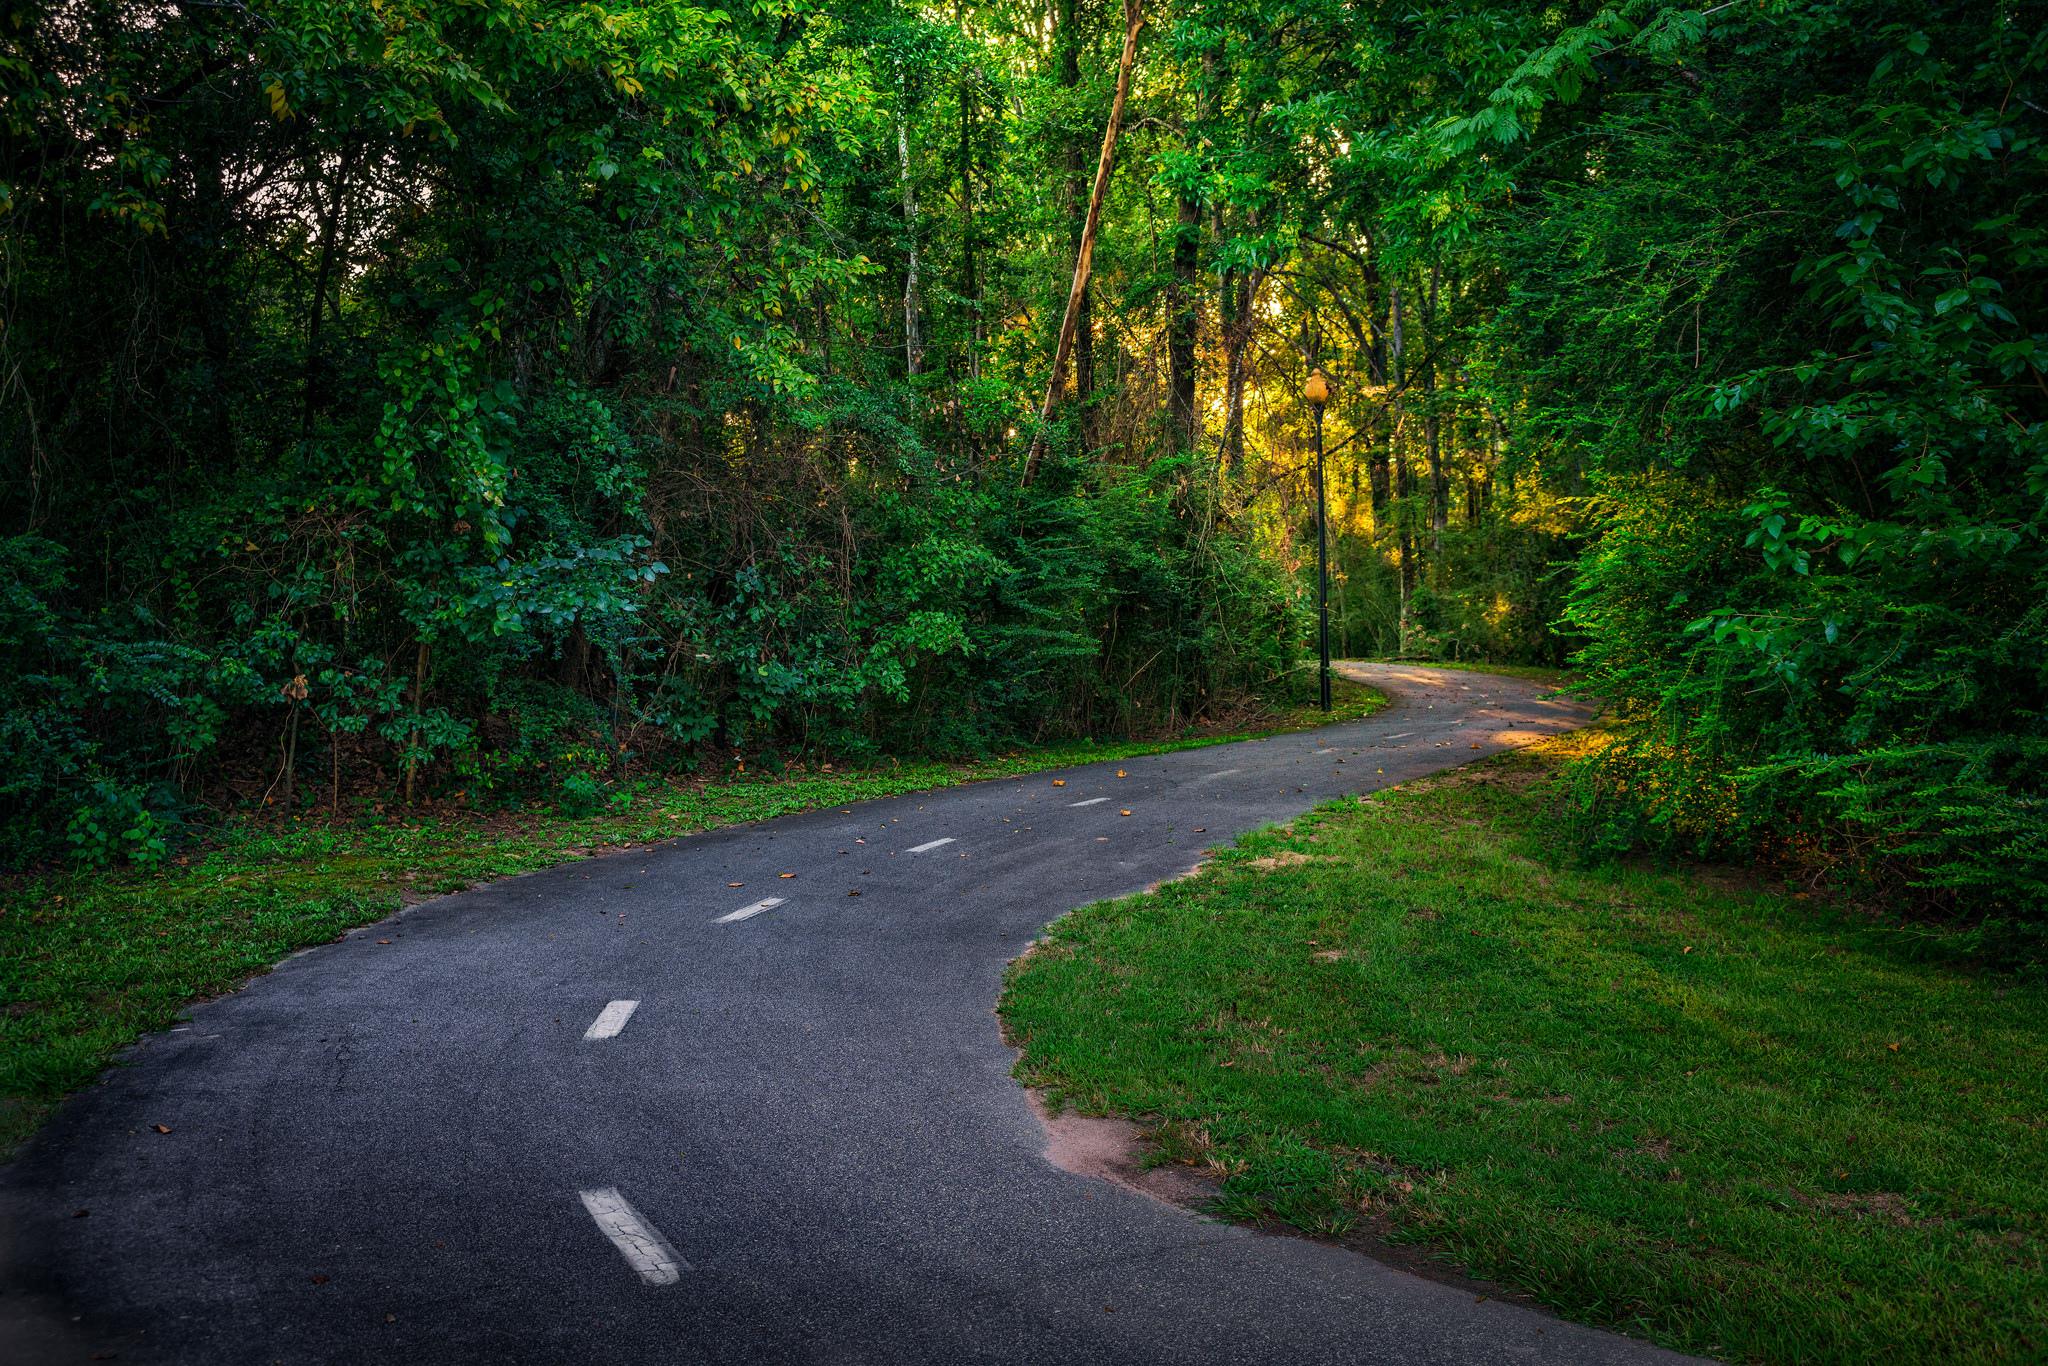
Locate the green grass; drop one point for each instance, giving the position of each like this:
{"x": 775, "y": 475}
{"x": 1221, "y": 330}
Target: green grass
{"x": 1684, "y": 1104}
{"x": 90, "y": 961}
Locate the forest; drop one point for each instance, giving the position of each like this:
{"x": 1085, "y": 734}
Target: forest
{"x": 497, "y": 398}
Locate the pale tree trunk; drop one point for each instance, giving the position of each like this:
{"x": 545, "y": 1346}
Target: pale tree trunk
{"x": 1439, "y": 488}
{"x": 1077, "y": 221}
{"x": 1397, "y": 339}
{"x": 1134, "y": 20}
{"x": 913, "y": 341}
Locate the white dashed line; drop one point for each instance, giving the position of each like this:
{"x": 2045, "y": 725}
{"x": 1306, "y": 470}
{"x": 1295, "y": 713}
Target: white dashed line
{"x": 1219, "y": 773}
{"x": 931, "y": 844}
{"x": 766, "y": 903}
{"x": 638, "y": 1241}
{"x": 611, "y": 1020}
{"x": 1090, "y": 802}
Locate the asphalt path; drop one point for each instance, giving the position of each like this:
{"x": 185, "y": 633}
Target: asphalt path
{"x": 595, "y": 1114}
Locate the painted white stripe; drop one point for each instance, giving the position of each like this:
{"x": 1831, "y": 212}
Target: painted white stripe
{"x": 931, "y": 844}
{"x": 1223, "y": 773}
{"x": 638, "y": 1241}
{"x": 766, "y": 903}
{"x": 1090, "y": 802}
{"x": 1402, "y": 736}
{"x": 611, "y": 1020}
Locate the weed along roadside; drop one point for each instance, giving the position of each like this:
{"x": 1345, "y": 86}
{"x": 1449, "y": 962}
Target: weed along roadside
{"x": 1685, "y": 1104}
{"x": 91, "y": 961}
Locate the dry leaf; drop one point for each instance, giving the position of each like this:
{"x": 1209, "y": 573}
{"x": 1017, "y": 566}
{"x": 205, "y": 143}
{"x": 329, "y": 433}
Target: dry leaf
{"x": 853, "y": 893}
{"x": 1893, "y": 1047}
{"x": 735, "y": 884}
{"x": 383, "y": 941}
{"x": 1201, "y": 830}
{"x": 1123, "y": 813}
{"x": 1119, "y": 773}
{"x": 81, "y": 1214}
{"x": 319, "y": 1280}
{"x": 1059, "y": 782}
{"x": 786, "y": 875}
{"x": 161, "y": 1128}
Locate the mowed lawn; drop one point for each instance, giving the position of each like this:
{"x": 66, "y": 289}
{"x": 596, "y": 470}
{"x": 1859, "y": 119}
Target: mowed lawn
{"x": 1693, "y": 1107}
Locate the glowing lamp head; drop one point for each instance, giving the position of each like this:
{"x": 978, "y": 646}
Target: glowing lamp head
{"x": 1317, "y": 391}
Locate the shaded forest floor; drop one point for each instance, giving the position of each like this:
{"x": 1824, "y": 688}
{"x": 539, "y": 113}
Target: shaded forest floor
{"x": 91, "y": 960}
{"x": 1699, "y": 1105}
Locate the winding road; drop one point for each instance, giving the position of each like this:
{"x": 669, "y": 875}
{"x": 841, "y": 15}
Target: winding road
{"x": 736, "y": 1098}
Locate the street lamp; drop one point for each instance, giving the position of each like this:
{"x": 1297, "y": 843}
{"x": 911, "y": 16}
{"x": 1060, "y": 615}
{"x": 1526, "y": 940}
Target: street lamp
{"x": 1317, "y": 392}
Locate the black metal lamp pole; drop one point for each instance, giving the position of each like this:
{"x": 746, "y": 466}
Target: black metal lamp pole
{"x": 1318, "y": 393}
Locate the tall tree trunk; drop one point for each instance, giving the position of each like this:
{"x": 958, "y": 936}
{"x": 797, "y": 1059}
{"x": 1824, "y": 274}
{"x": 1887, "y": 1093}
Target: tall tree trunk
{"x": 913, "y": 340}
{"x": 1183, "y": 320}
{"x": 970, "y": 283}
{"x": 1241, "y": 298}
{"x": 328, "y": 232}
{"x": 1134, "y": 20}
{"x": 1077, "y": 225}
{"x": 1439, "y": 485}
{"x": 1402, "y": 489}
{"x": 412, "y": 739}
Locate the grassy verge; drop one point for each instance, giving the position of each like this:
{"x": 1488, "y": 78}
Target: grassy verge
{"x": 1687, "y": 1105}
{"x": 90, "y": 961}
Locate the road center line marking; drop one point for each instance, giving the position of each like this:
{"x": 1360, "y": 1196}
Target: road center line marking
{"x": 638, "y": 1241}
{"x": 611, "y": 1020}
{"x": 766, "y": 903}
{"x": 1090, "y": 802}
{"x": 929, "y": 844}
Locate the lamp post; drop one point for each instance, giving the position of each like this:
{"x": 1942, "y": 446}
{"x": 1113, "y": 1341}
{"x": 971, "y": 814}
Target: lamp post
{"x": 1317, "y": 392}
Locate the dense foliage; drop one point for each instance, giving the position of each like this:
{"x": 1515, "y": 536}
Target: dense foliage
{"x": 494, "y": 396}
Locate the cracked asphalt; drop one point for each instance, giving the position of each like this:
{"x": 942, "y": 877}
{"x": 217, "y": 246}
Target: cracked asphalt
{"x": 802, "y": 1144}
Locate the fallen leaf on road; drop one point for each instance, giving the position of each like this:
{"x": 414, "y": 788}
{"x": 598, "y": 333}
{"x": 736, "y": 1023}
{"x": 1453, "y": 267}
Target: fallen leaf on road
{"x": 853, "y": 893}
{"x": 1119, "y": 773}
{"x": 391, "y": 1318}
{"x": 1059, "y": 782}
{"x": 1123, "y": 813}
{"x": 786, "y": 875}
{"x": 735, "y": 884}
{"x": 81, "y": 1214}
{"x": 383, "y": 941}
{"x": 1201, "y": 830}
{"x": 319, "y": 1280}
{"x": 1475, "y": 747}
{"x": 161, "y": 1128}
